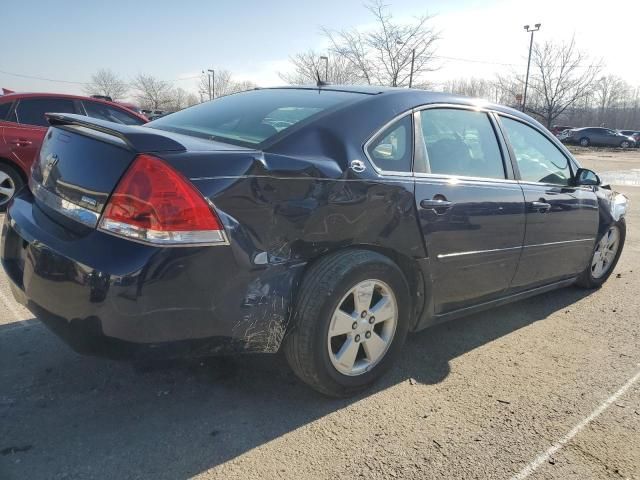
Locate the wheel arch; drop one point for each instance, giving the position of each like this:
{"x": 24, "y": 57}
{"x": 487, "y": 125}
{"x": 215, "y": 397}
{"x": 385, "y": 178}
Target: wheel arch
{"x": 409, "y": 267}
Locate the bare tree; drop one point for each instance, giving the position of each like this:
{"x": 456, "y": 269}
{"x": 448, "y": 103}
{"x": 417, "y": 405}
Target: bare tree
{"x": 384, "y": 54}
{"x": 223, "y": 84}
{"x": 472, "y": 87}
{"x": 105, "y": 82}
{"x": 561, "y": 76}
{"x": 152, "y": 93}
{"x": 308, "y": 67}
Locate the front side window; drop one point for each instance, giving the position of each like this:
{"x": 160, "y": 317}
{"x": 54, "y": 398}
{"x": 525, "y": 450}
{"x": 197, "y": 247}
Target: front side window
{"x": 31, "y": 111}
{"x": 461, "y": 142}
{"x": 105, "y": 112}
{"x": 538, "y": 159}
{"x": 392, "y": 149}
{"x": 252, "y": 117}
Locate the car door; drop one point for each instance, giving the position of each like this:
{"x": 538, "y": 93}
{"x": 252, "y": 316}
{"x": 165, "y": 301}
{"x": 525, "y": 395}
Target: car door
{"x": 470, "y": 209}
{"x": 561, "y": 219}
{"x": 27, "y": 125}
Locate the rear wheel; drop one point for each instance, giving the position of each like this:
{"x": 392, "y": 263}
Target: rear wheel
{"x": 350, "y": 321}
{"x": 584, "y": 142}
{"x": 10, "y": 183}
{"x": 624, "y": 144}
{"x": 605, "y": 256}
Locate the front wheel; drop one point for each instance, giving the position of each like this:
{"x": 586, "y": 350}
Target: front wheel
{"x": 350, "y": 322}
{"x": 604, "y": 257}
{"x": 624, "y": 144}
{"x": 584, "y": 142}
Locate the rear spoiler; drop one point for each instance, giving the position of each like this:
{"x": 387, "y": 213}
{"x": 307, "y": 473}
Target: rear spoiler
{"x": 139, "y": 139}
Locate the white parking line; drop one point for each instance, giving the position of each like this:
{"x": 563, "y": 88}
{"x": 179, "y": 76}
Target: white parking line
{"x": 544, "y": 457}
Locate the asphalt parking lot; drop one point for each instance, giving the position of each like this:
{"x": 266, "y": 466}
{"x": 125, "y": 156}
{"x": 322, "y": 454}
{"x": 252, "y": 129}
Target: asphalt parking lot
{"x": 545, "y": 388}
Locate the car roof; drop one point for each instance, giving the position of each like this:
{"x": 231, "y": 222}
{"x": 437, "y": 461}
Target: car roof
{"x": 420, "y": 96}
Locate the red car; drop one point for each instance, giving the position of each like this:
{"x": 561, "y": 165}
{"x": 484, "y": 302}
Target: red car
{"x": 23, "y": 127}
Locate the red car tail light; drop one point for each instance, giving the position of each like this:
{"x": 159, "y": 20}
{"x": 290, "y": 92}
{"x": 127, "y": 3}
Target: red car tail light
{"x": 154, "y": 204}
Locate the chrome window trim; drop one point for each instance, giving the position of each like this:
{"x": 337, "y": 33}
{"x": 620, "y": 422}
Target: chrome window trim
{"x": 373, "y": 137}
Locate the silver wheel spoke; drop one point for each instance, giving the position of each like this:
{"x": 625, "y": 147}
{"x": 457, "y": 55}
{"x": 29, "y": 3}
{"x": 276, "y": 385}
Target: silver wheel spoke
{"x": 8, "y": 192}
{"x": 362, "y": 296}
{"x": 347, "y": 331}
{"x": 383, "y": 310}
{"x": 346, "y": 356}
{"x": 3, "y": 177}
{"x": 341, "y": 323}
{"x": 605, "y": 252}
{"x": 374, "y": 347}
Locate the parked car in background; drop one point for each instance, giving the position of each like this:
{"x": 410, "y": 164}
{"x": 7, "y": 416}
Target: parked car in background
{"x": 131, "y": 106}
{"x": 635, "y": 134}
{"x": 596, "y": 136}
{"x": 557, "y": 129}
{"x": 23, "y": 126}
{"x": 329, "y": 221}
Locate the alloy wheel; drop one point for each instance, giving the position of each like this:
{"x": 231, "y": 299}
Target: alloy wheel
{"x": 362, "y": 327}
{"x": 605, "y": 252}
{"x": 7, "y": 188}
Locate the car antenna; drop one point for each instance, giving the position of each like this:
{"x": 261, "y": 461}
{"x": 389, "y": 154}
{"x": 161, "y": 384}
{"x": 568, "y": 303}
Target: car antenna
{"x": 320, "y": 83}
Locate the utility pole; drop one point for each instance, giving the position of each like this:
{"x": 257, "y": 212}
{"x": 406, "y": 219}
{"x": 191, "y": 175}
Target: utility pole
{"x": 526, "y": 81}
{"x": 413, "y": 58}
{"x": 212, "y": 84}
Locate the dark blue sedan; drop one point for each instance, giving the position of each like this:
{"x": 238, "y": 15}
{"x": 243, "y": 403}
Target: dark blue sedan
{"x": 326, "y": 221}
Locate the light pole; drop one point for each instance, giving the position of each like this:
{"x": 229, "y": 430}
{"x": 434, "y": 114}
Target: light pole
{"x": 212, "y": 88}
{"x": 413, "y": 58}
{"x": 326, "y": 67}
{"x": 526, "y": 80}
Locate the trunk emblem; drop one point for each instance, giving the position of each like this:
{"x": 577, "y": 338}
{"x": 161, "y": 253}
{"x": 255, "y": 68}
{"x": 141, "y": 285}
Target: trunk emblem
{"x": 50, "y": 161}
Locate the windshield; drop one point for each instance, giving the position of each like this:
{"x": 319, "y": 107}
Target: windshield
{"x": 250, "y": 118}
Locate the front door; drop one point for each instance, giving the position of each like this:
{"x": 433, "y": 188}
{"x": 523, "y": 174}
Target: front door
{"x": 471, "y": 214}
{"x": 562, "y": 220}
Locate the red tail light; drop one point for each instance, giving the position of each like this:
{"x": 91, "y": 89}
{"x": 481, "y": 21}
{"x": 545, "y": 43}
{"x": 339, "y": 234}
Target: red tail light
{"x": 155, "y": 204}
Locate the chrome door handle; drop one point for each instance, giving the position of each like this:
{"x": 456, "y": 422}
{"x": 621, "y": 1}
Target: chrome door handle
{"x": 435, "y": 204}
{"x": 541, "y": 207}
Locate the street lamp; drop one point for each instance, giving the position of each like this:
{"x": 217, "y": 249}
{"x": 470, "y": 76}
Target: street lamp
{"x": 413, "y": 58}
{"x": 326, "y": 67}
{"x": 526, "y": 81}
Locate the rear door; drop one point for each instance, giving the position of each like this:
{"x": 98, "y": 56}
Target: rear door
{"x": 27, "y": 126}
{"x": 562, "y": 220}
{"x": 471, "y": 210}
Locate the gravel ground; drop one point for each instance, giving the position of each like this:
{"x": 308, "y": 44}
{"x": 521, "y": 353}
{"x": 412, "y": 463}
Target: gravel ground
{"x": 482, "y": 397}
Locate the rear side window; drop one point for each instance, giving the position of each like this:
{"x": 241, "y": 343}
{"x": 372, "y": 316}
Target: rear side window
{"x": 105, "y": 112}
{"x": 252, "y": 117}
{"x": 392, "y": 149}
{"x": 31, "y": 111}
{"x": 4, "y": 110}
{"x": 461, "y": 142}
{"x": 538, "y": 159}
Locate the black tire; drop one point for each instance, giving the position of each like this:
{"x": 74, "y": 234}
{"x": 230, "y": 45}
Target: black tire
{"x": 584, "y": 141}
{"x": 14, "y": 178}
{"x": 586, "y": 279}
{"x": 322, "y": 288}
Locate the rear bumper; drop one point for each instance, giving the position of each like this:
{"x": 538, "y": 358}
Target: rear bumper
{"x": 111, "y": 297}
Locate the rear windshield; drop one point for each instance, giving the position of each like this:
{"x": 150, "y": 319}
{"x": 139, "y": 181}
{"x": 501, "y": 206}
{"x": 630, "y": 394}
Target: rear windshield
{"x": 250, "y": 118}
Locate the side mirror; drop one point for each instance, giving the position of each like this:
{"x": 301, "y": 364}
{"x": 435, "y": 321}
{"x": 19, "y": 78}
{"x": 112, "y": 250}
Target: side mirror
{"x": 584, "y": 176}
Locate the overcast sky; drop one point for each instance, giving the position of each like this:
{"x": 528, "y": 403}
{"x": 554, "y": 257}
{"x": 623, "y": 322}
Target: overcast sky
{"x": 69, "y": 40}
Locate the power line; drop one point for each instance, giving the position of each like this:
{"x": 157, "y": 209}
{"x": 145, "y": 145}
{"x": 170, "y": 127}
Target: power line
{"x": 35, "y": 77}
